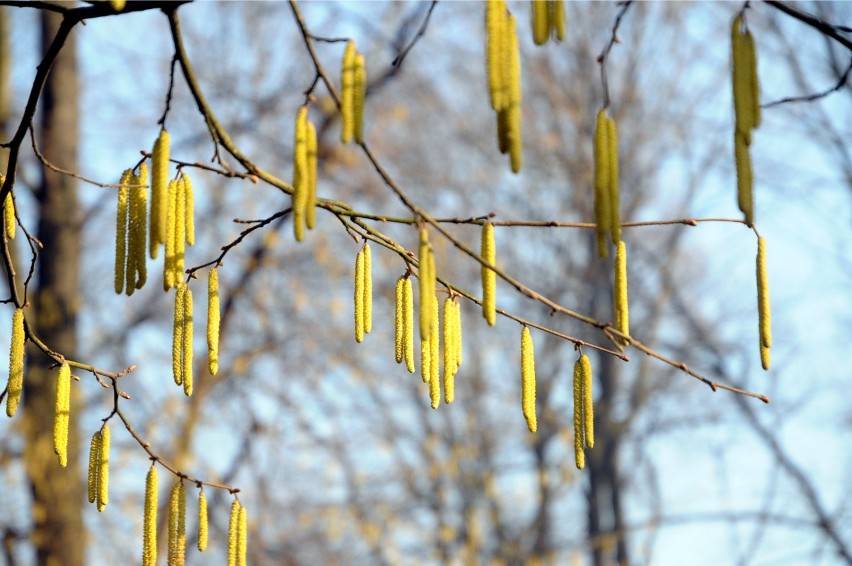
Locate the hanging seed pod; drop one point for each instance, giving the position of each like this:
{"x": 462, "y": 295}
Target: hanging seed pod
{"x": 488, "y": 252}
{"x": 15, "y": 385}
{"x": 408, "y": 323}
{"x": 120, "y": 231}
{"x": 347, "y": 97}
{"x": 103, "y": 468}
{"x": 359, "y": 296}
{"x": 62, "y": 414}
{"x": 579, "y": 420}
{"x": 159, "y": 197}
{"x": 213, "y": 321}
{"x": 202, "y": 521}
{"x": 528, "y": 379}
{"x": 94, "y": 458}
{"x": 622, "y": 316}
{"x": 149, "y": 521}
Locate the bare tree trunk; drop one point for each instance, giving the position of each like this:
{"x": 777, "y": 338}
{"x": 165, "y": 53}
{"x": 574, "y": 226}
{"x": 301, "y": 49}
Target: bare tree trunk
{"x": 57, "y": 493}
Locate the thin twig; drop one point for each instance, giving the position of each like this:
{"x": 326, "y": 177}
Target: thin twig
{"x": 397, "y": 62}
{"x": 604, "y": 56}
{"x": 844, "y": 78}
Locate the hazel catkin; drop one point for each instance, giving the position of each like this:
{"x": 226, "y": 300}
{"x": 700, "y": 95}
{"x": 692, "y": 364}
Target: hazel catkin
{"x": 177, "y": 524}
{"x": 233, "y": 533}
{"x": 15, "y": 385}
{"x": 540, "y": 21}
{"x": 213, "y": 320}
{"x": 622, "y": 316}
{"x": 399, "y": 324}
{"x": 359, "y": 296}
{"x": 103, "y": 468}
{"x": 300, "y": 172}
{"x": 149, "y": 521}
{"x": 121, "y": 230}
{"x": 434, "y": 357}
{"x": 489, "y": 277}
{"x": 137, "y": 238}
{"x": 94, "y": 458}
{"x": 187, "y": 337}
{"x": 347, "y": 93}
{"x": 763, "y": 308}
{"x": 426, "y": 264}
{"x": 528, "y": 379}
{"x": 449, "y": 350}
{"x": 177, "y": 334}
{"x": 359, "y": 95}
{"x": 603, "y": 170}
{"x": 588, "y": 404}
{"x": 8, "y": 212}
{"x": 311, "y": 173}
{"x": 579, "y": 421}
{"x": 62, "y": 413}
{"x": 368, "y": 288}
{"x": 408, "y": 323}
{"x": 202, "y": 521}
{"x": 159, "y": 196}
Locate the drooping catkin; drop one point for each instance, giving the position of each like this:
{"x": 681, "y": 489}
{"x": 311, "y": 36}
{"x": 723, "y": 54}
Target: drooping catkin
{"x": 449, "y": 350}
{"x": 15, "y": 385}
{"x": 149, "y": 521}
{"x": 359, "y": 296}
{"x": 159, "y": 196}
{"x": 435, "y": 357}
{"x": 311, "y": 164}
{"x": 347, "y": 93}
{"x": 103, "y": 468}
{"x": 742, "y": 160}
{"x": 300, "y": 172}
{"x": 8, "y": 212}
{"x": 92, "y": 476}
{"x": 763, "y": 308}
{"x": 233, "y": 530}
{"x": 137, "y": 270}
{"x": 488, "y": 251}
{"x": 180, "y": 230}
{"x": 62, "y": 414}
{"x": 213, "y": 320}
{"x": 603, "y": 170}
{"x": 408, "y": 323}
{"x": 540, "y": 21}
{"x": 528, "y": 379}
{"x": 186, "y": 349}
{"x": 189, "y": 210}
{"x": 612, "y": 154}
{"x": 746, "y": 110}
{"x": 588, "y": 404}
{"x": 557, "y": 19}
{"x": 426, "y": 265}
{"x": 398, "y": 319}
{"x": 368, "y": 289}
{"x": 177, "y": 334}
{"x": 622, "y": 315}
{"x": 177, "y": 525}
{"x": 242, "y": 537}
{"x": 495, "y": 14}
{"x": 514, "y": 93}
{"x": 359, "y": 95}
{"x": 579, "y": 420}
{"x": 169, "y": 265}
{"x": 425, "y": 359}
{"x": 458, "y": 334}
{"x": 202, "y": 521}
{"x": 121, "y": 230}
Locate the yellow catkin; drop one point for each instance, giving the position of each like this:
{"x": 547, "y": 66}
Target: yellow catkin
{"x": 588, "y": 404}
{"x": 751, "y": 70}
{"x": 177, "y": 525}
{"x": 458, "y": 334}
{"x": 425, "y": 359}
{"x": 426, "y": 260}
{"x": 62, "y": 414}
{"x": 180, "y": 230}
{"x": 347, "y": 93}
{"x": 169, "y": 279}
{"x": 189, "y": 210}
{"x": 408, "y": 323}
{"x": 528, "y": 379}
{"x": 202, "y": 521}
{"x": 233, "y": 528}
{"x": 177, "y": 334}
{"x": 137, "y": 271}
{"x": 186, "y": 349}
{"x": 159, "y": 197}
{"x": 557, "y": 19}
{"x": 494, "y": 16}
{"x": 622, "y": 315}
{"x": 103, "y": 468}
{"x": 16, "y": 364}
{"x": 92, "y": 476}
{"x": 615, "y": 214}
{"x": 359, "y": 296}
{"x": 121, "y": 230}
{"x": 449, "y": 350}
{"x": 149, "y": 522}
{"x": 435, "y": 357}
{"x": 488, "y": 251}
{"x": 514, "y": 91}
{"x": 117, "y": 5}
{"x": 742, "y": 78}
{"x": 763, "y": 309}
{"x": 398, "y": 320}
{"x": 300, "y": 172}
{"x": 242, "y": 538}
{"x": 603, "y": 170}
{"x": 213, "y": 320}
{"x": 540, "y": 21}
{"x": 742, "y": 160}
{"x": 368, "y": 289}
{"x": 765, "y": 358}
{"x": 311, "y": 163}
{"x": 359, "y": 95}
{"x": 579, "y": 456}
{"x": 9, "y": 214}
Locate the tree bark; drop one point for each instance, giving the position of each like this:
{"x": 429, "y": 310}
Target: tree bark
{"x": 57, "y": 493}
